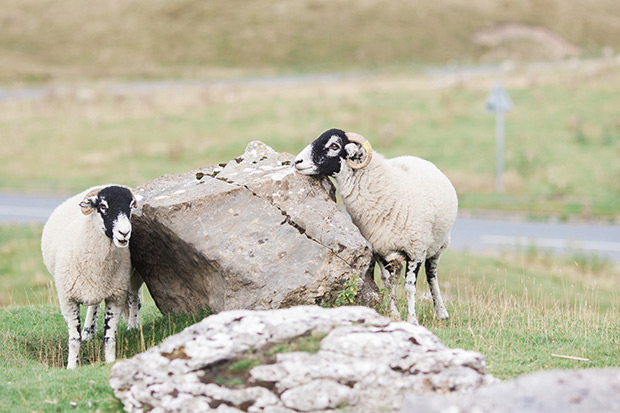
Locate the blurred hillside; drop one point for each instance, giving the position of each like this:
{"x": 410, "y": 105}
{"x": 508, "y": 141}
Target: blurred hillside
{"x": 48, "y": 40}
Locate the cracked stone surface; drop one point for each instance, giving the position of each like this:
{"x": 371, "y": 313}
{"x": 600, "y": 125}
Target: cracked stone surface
{"x": 252, "y": 234}
{"x": 361, "y": 361}
{"x": 558, "y": 391}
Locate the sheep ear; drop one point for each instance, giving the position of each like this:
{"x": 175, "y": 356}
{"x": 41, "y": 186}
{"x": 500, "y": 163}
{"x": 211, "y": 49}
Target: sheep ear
{"x": 88, "y": 205}
{"x": 134, "y": 204}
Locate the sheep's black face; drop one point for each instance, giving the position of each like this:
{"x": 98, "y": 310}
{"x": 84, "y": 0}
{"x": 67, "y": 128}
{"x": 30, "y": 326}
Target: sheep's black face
{"x": 324, "y": 156}
{"x": 114, "y": 204}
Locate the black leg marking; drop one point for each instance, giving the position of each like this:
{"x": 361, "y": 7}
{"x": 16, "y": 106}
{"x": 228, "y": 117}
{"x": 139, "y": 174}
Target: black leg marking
{"x": 78, "y": 322}
{"x": 71, "y": 313}
{"x": 431, "y": 277}
{"x": 106, "y": 324}
{"x": 112, "y": 314}
{"x": 411, "y": 279}
{"x": 431, "y": 269}
{"x": 414, "y": 279}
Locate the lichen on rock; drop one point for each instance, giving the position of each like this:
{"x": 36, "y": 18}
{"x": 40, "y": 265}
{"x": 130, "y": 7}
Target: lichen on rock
{"x": 305, "y": 358}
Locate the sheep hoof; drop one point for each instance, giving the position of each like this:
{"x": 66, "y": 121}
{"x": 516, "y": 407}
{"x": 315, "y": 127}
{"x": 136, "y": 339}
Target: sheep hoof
{"x": 442, "y": 315}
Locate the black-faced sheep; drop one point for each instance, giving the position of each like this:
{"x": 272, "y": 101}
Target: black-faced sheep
{"x": 405, "y": 207}
{"x": 84, "y": 246}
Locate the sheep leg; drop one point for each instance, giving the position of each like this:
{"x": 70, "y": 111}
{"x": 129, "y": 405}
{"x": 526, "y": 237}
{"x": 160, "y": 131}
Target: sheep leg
{"x": 71, "y": 313}
{"x": 112, "y": 316}
{"x": 90, "y": 323}
{"x": 134, "y": 308}
{"x": 389, "y": 275}
{"x": 431, "y": 277}
{"x": 410, "y": 289}
{"x": 133, "y": 299}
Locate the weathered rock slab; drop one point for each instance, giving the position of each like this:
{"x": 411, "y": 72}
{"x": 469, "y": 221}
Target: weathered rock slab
{"x": 252, "y": 234}
{"x": 305, "y": 358}
{"x": 559, "y": 391}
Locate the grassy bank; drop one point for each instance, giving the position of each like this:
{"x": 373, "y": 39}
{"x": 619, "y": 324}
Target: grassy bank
{"x": 521, "y": 311}
{"x": 525, "y": 311}
{"x": 45, "y": 40}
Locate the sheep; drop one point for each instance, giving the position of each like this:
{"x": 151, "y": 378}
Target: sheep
{"x": 85, "y": 248}
{"x": 405, "y": 207}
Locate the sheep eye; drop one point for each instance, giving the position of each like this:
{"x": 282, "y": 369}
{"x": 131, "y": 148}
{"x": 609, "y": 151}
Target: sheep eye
{"x": 103, "y": 208}
{"x": 334, "y": 147}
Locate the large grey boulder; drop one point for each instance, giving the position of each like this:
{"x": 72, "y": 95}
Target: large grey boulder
{"x": 560, "y": 391}
{"x": 305, "y": 358}
{"x": 252, "y": 234}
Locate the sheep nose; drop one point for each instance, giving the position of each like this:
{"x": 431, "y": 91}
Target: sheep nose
{"x": 298, "y": 161}
{"x": 124, "y": 234}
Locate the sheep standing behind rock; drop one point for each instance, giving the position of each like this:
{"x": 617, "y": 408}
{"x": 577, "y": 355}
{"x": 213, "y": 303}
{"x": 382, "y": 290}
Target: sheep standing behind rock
{"x": 84, "y": 246}
{"x": 405, "y": 207}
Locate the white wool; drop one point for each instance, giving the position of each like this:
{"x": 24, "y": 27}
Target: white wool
{"x": 88, "y": 268}
{"x": 86, "y": 265}
{"x": 405, "y": 204}
{"x": 405, "y": 207}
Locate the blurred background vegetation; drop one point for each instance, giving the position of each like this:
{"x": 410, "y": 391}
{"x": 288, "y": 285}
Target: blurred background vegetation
{"x": 128, "y": 91}
{"x": 125, "y": 91}
{"x": 47, "y": 40}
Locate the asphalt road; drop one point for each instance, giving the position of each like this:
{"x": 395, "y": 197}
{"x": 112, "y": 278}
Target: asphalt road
{"x": 26, "y": 208}
{"x": 469, "y": 234}
{"x": 494, "y": 235}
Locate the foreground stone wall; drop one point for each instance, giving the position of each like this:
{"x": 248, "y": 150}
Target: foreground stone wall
{"x": 304, "y": 358}
{"x": 559, "y": 391}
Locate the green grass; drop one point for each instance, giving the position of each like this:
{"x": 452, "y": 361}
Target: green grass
{"x": 519, "y": 310}
{"x": 562, "y": 152}
{"x": 34, "y": 350}
{"x": 23, "y": 277}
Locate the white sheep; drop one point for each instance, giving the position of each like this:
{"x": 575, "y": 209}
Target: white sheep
{"x": 405, "y": 207}
{"x": 84, "y": 246}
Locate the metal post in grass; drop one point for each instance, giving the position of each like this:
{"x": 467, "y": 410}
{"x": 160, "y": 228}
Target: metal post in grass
{"x": 499, "y": 102}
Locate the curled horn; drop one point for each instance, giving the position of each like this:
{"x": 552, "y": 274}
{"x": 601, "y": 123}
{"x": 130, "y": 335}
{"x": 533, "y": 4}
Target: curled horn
{"x": 92, "y": 192}
{"x": 359, "y": 139}
{"x": 85, "y": 205}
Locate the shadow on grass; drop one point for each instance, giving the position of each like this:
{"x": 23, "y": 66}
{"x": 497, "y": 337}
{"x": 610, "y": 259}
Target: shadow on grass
{"x": 39, "y": 334}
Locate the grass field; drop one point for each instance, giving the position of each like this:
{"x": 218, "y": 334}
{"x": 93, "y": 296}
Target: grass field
{"x": 520, "y": 310}
{"x": 33, "y": 373}
{"x": 562, "y": 148}
{"x": 562, "y": 138}
{"x": 562, "y": 144}
{"x": 48, "y": 41}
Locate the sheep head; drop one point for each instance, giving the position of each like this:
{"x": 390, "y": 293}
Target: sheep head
{"x": 333, "y": 151}
{"x": 113, "y": 204}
